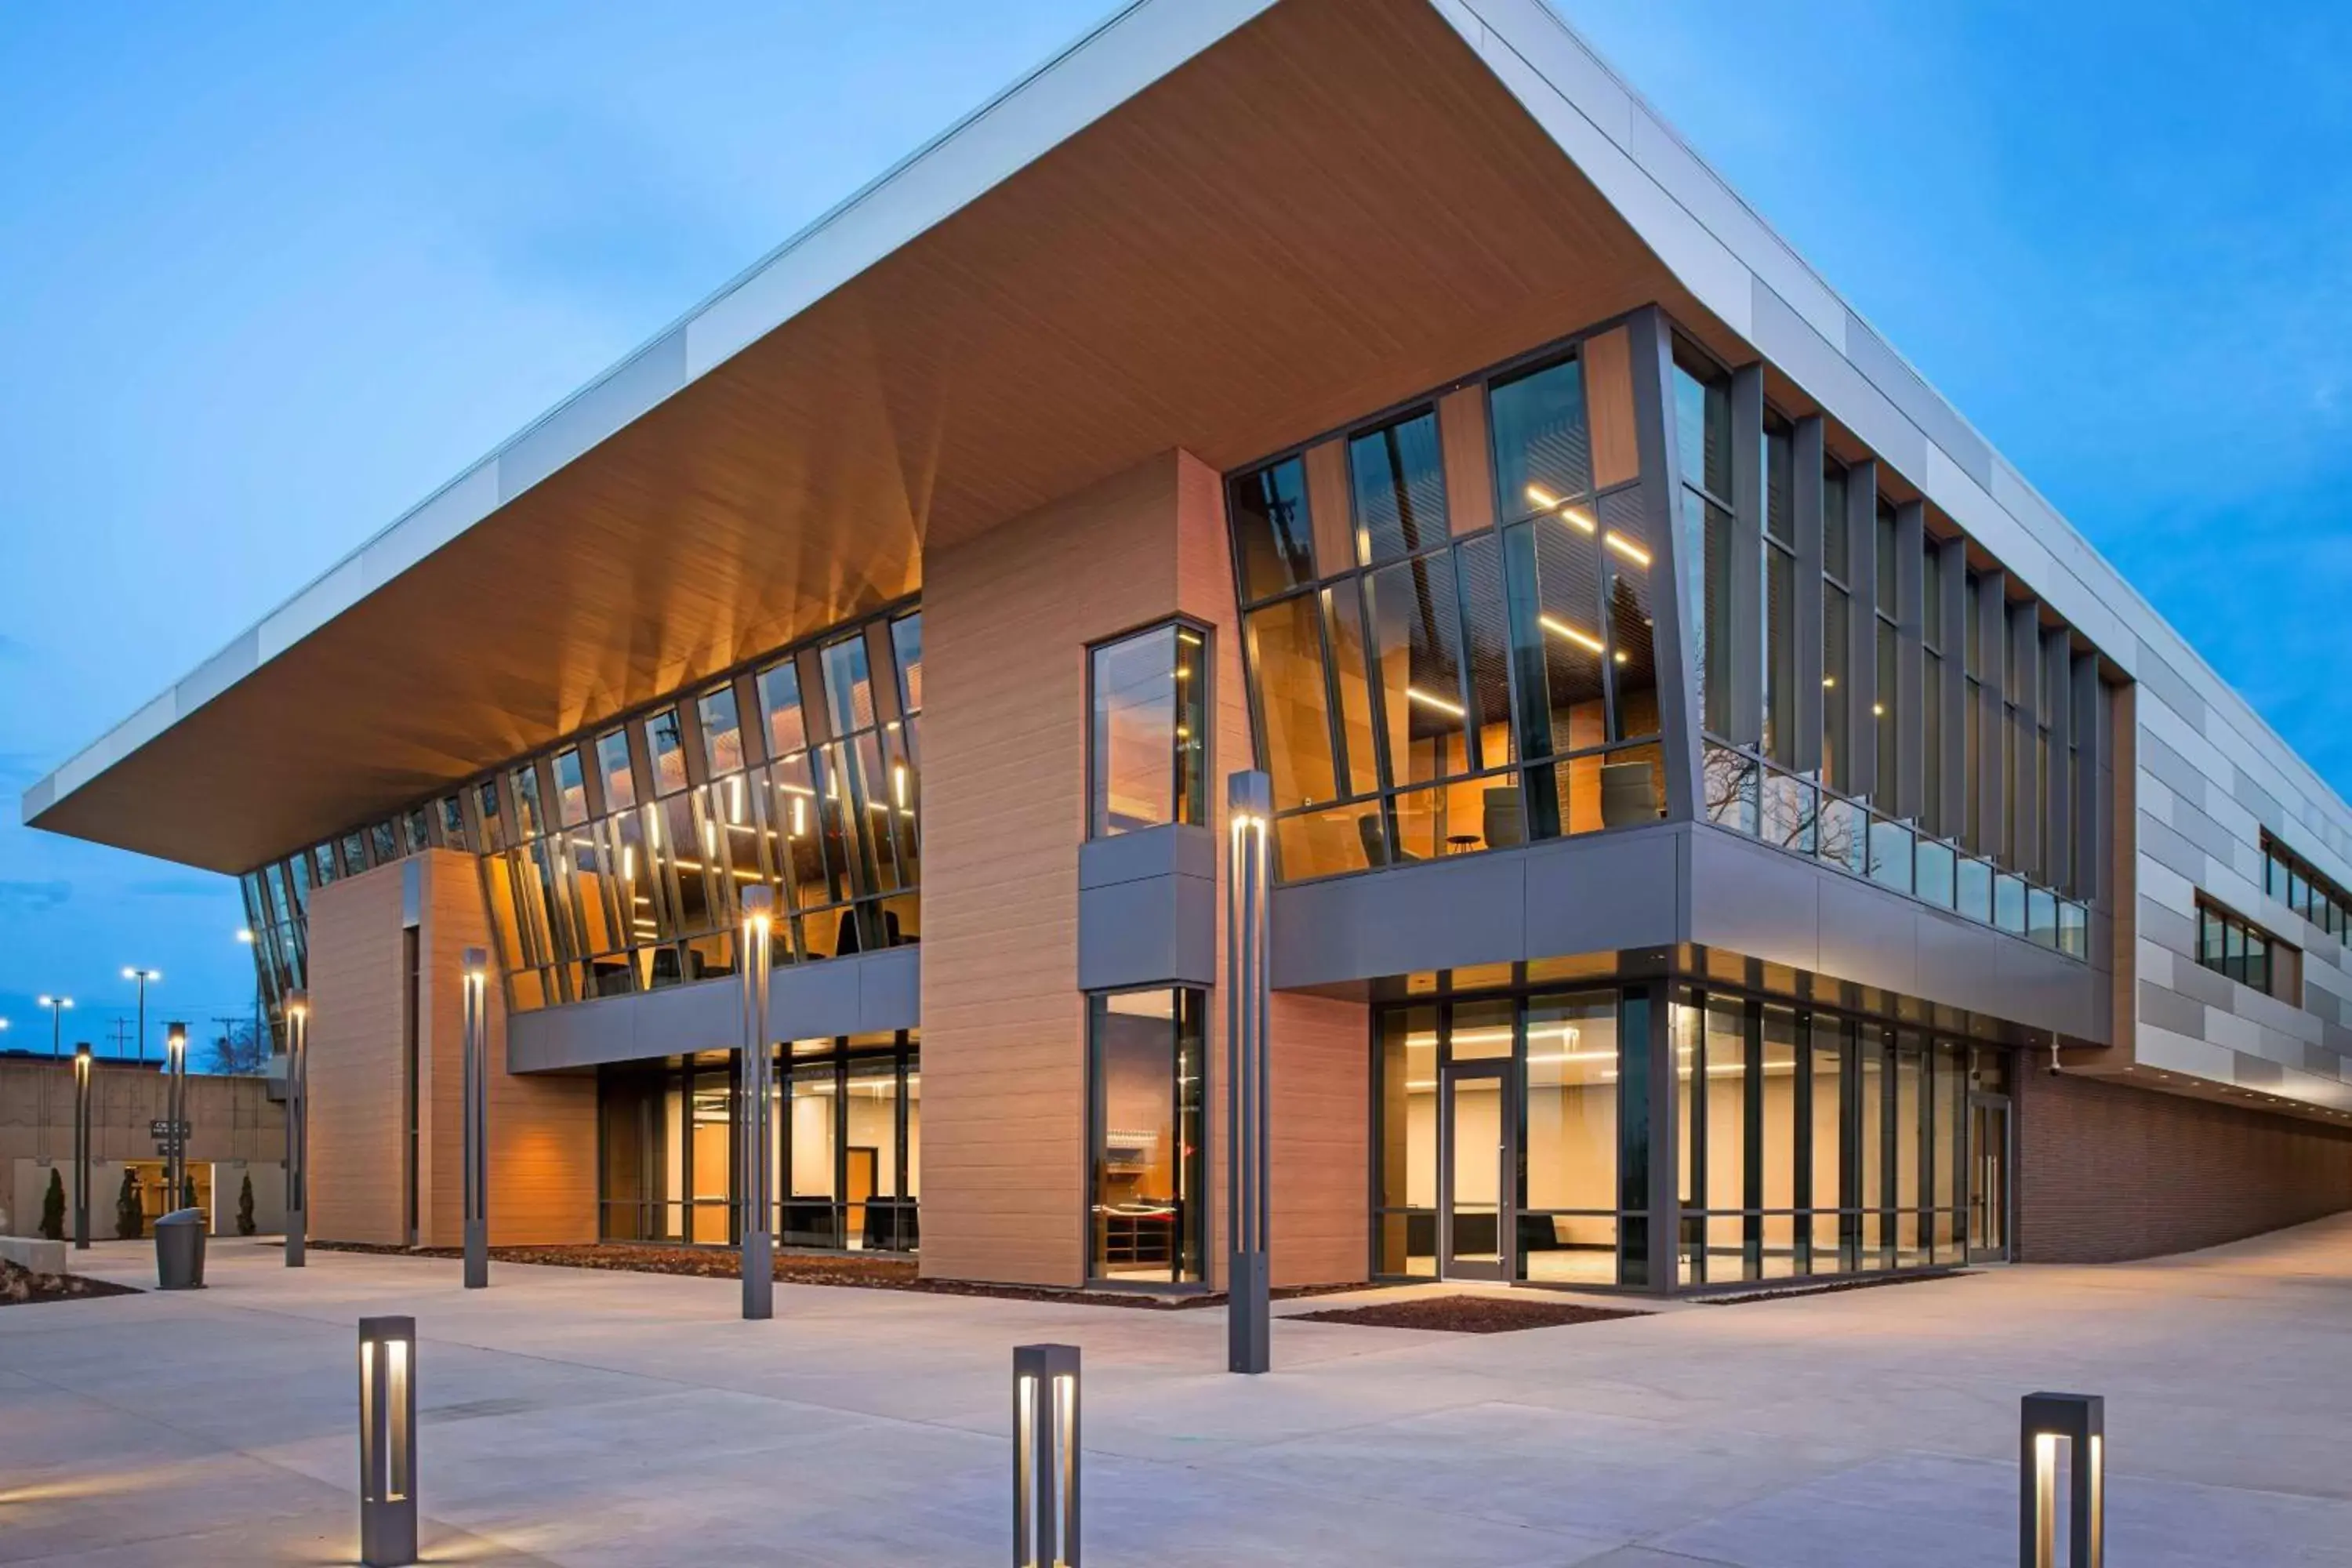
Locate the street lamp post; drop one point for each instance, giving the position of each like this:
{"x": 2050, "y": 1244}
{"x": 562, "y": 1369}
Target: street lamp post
{"x": 756, "y": 1083}
{"x": 1249, "y": 801}
{"x": 142, "y": 976}
{"x": 476, "y": 1118}
{"x": 57, "y": 1006}
{"x": 175, "y": 1114}
{"x": 297, "y": 1125}
{"x": 81, "y": 1148}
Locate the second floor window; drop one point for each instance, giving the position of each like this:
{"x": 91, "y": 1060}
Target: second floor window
{"x": 1147, "y": 744}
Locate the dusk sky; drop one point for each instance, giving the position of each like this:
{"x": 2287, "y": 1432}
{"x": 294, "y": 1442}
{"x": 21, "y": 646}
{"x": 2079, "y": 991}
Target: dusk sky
{"x": 269, "y": 274}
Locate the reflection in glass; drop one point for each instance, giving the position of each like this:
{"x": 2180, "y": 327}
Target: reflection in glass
{"x": 1149, "y": 740}
{"x": 1285, "y": 652}
{"x": 1407, "y": 1226}
{"x": 1567, "y": 1227}
{"x": 1543, "y": 455}
{"x": 1417, "y": 666}
{"x": 1149, "y": 1201}
{"x": 1273, "y": 536}
{"x": 1399, "y": 473}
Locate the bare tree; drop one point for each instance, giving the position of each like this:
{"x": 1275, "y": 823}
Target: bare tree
{"x": 237, "y": 1047}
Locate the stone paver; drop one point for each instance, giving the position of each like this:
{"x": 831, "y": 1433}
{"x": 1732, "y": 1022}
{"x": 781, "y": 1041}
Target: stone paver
{"x": 577, "y": 1417}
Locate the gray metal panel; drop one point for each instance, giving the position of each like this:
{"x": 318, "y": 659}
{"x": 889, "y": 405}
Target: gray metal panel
{"x": 867, "y": 993}
{"x": 2038, "y": 988}
{"x": 1959, "y": 961}
{"x": 1753, "y": 900}
{"x": 620, "y": 396}
{"x": 1176, "y": 849}
{"x": 2160, "y": 842}
{"x": 2168, "y": 1010}
{"x": 1443, "y": 914}
{"x": 1606, "y": 893}
{"x": 2199, "y": 983}
{"x": 1146, "y": 931}
{"x": 1869, "y": 935}
{"x": 2167, "y": 928}
{"x": 1902, "y": 386}
{"x": 2164, "y": 683}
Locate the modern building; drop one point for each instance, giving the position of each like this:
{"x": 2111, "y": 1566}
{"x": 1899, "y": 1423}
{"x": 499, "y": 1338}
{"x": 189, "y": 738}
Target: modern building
{"x": 236, "y": 1135}
{"x": 1728, "y": 825}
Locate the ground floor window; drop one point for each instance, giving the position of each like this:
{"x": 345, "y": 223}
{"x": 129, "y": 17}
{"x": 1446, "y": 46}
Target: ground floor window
{"x": 848, "y": 1147}
{"x": 1513, "y": 1140}
{"x": 1148, "y": 1207}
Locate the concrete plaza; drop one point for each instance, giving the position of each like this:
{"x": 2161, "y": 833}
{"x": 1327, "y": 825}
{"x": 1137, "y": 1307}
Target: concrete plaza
{"x": 580, "y": 1418}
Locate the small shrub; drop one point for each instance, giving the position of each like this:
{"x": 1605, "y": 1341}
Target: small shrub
{"x": 53, "y": 1208}
{"x": 129, "y": 1222}
{"x": 245, "y": 1225}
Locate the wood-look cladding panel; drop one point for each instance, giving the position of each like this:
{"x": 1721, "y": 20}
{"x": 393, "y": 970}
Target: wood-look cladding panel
{"x": 1231, "y": 272}
{"x": 1006, "y": 622}
{"x": 358, "y": 1165}
{"x": 542, "y": 1127}
{"x": 1320, "y": 1103}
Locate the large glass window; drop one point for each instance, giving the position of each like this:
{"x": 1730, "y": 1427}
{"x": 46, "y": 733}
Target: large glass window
{"x": 1462, "y": 693}
{"x": 1149, "y": 744}
{"x": 1567, "y": 1227}
{"x": 1398, "y": 473}
{"x": 1273, "y": 534}
{"x": 1149, "y": 1203}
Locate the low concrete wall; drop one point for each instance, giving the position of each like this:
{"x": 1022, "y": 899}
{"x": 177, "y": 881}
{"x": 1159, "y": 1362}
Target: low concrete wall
{"x": 34, "y": 1253}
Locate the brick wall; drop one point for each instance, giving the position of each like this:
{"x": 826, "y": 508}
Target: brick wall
{"x": 2107, "y": 1172}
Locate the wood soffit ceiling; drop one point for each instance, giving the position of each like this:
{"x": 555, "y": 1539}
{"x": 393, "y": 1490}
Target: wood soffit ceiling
{"x": 1334, "y": 208}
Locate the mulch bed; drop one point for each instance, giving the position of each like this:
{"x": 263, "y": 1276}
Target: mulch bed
{"x": 806, "y": 1268}
{"x": 1832, "y": 1288}
{"x": 1466, "y": 1314}
{"x": 20, "y": 1287}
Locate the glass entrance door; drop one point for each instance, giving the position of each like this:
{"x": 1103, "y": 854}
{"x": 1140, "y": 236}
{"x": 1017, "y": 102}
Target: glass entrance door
{"x": 1475, "y": 1129}
{"x": 1987, "y": 1179}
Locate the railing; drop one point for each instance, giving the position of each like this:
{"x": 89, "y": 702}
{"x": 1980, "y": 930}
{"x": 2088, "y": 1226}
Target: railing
{"x": 1796, "y": 814}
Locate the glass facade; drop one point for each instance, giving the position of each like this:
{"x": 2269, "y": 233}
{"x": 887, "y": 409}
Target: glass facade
{"x": 848, "y": 1138}
{"x": 1453, "y": 653}
{"x": 1148, "y": 1197}
{"x": 1811, "y": 1143}
{"x": 614, "y": 862}
{"x": 1147, "y": 732}
{"x": 2229, "y": 944}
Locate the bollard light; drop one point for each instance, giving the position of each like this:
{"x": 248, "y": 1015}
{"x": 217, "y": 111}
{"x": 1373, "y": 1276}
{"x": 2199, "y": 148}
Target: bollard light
{"x": 387, "y": 1442}
{"x": 297, "y": 1125}
{"x": 82, "y": 1067}
{"x": 1249, "y": 801}
{"x": 755, "y": 1089}
{"x": 1045, "y": 1457}
{"x": 476, "y": 1118}
{"x": 2079, "y": 1420}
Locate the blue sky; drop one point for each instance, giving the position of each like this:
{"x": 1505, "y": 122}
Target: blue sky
{"x": 270, "y": 273}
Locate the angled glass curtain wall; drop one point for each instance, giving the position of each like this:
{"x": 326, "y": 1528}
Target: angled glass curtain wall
{"x": 1819, "y": 738}
{"x": 1448, "y": 621}
{"x": 614, "y": 862}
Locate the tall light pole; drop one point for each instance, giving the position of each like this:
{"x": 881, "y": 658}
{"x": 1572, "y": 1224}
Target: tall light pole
{"x": 755, "y": 1082}
{"x": 1249, "y": 800}
{"x": 82, "y": 1066}
{"x": 57, "y": 1006}
{"x": 144, "y": 976}
{"x": 175, "y": 1114}
{"x": 297, "y": 1125}
{"x": 478, "y": 1118}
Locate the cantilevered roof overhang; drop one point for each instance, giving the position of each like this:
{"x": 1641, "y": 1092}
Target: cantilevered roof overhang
{"x": 1217, "y": 225}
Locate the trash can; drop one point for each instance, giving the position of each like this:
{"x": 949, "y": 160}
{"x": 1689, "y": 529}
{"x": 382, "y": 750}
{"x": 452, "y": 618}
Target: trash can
{"x": 180, "y": 1250}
